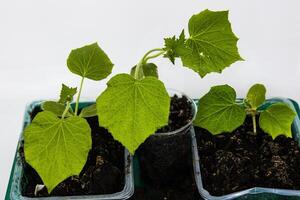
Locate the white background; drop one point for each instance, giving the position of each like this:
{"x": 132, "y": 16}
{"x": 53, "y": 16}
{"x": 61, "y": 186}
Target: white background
{"x": 37, "y": 36}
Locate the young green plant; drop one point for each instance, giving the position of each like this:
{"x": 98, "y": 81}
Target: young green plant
{"x": 219, "y": 111}
{"x": 134, "y": 106}
{"x": 58, "y": 140}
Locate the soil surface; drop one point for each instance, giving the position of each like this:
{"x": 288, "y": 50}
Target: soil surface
{"x": 239, "y": 160}
{"x": 102, "y": 174}
{"x": 166, "y": 161}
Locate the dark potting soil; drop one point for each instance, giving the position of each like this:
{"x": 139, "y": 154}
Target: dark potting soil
{"x": 239, "y": 160}
{"x": 166, "y": 161}
{"x": 102, "y": 174}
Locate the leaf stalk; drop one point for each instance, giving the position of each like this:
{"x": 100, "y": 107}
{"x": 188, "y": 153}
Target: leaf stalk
{"x": 145, "y": 58}
{"x": 66, "y": 110}
{"x": 78, "y": 96}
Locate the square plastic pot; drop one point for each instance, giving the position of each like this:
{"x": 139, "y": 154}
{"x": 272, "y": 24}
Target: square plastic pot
{"x": 256, "y": 192}
{"x": 14, "y": 186}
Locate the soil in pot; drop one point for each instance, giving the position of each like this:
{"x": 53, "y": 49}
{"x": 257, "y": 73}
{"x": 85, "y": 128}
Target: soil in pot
{"x": 240, "y": 160}
{"x": 102, "y": 174}
{"x": 166, "y": 161}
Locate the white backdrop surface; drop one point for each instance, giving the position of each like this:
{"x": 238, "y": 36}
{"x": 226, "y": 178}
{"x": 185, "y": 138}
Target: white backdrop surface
{"x": 36, "y": 37}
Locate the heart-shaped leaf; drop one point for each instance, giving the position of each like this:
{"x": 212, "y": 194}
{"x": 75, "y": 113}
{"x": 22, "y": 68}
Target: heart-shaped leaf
{"x": 133, "y": 109}
{"x": 90, "y": 61}
{"x": 277, "y": 120}
{"x": 218, "y": 111}
{"x": 256, "y": 95}
{"x": 57, "y": 148}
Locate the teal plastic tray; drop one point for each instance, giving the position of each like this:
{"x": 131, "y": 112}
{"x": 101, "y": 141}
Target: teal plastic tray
{"x": 262, "y": 196}
{"x": 14, "y": 186}
{"x": 256, "y": 192}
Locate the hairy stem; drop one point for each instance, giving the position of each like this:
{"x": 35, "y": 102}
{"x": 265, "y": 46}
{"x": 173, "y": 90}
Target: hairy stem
{"x": 66, "y": 110}
{"x": 78, "y": 96}
{"x": 145, "y": 58}
{"x": 254, "y": 123}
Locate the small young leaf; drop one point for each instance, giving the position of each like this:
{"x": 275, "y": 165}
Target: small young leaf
{"x": 57, "y": 148}
{"x": 133, "y": 109}
{"x": 67, "y": 94}
{"x": 212, "y": 46}
{"x": 148, "y": 69}
{"x": 174, "y": 47}
{"x": 218, "y": 111}
{"x": 277, "y": 120}
{"x": 54, "y": 107}
{"x": 256, "y": 95}
{"x": 90, "y": 61}
{"x": 89, "y": 111}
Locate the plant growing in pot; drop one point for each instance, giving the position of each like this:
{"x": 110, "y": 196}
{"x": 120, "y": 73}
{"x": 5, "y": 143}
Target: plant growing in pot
{"x": 246, "y": 146}
{"x": 64, "y": 152}
{"x": 137, "y": 109}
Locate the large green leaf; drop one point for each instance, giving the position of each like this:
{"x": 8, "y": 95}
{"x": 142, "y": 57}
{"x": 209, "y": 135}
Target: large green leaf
{"x": 277, "y": 120}
{"x": 212, "y": 45}
{"x": 148, "y": 69}
{"x": 90, "y": 61}
{"x": 218, "y": 111}
{"x": 57, "y": 148}
{"x": 256, "y": 95}
{"x": 133, "y": 109}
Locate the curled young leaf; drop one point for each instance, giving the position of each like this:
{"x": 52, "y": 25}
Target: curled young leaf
{"x": 256, "y": 95}
{"x": 148, "y": 69}
{"x": 277, "y": 120}
{"x": 67, "y": 94}
{"x": 57, "y": 148}
{"x": 174, "y": 47}
{"x": 90, "y": 61}
{"x": 218, "y": 111}
{"x": 212, "y": 46}
{"x": 56, "y": 108}
{"x": 133, "y": 109}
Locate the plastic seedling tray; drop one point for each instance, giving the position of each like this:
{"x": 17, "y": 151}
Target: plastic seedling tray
{"x": 14, "y": 187}
{"x": 256, "y": 192}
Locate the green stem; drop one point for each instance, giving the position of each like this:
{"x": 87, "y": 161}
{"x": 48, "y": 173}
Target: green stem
{"x": 254, "y": 123}
{"x": 78, "y": 96}
{"x": 151, "y": 51}
{"x": 145, "y": 58}
{"x": 154, "y": 56}
{"x": 66, "y": 110}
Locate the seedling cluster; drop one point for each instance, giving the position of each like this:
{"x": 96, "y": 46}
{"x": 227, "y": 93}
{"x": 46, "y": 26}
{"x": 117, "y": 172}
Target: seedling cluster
{"x": 135, "y": 105}
{"x": 219, "y": 111}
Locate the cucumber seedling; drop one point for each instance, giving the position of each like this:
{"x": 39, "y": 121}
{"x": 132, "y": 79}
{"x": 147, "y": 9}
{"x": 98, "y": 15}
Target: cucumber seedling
{"x": 135, "y": 105}
{"x": 57, "y": 142}
{"x": 219, "y": 111}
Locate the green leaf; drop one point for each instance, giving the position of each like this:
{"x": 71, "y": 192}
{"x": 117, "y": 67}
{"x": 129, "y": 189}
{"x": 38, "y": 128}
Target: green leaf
{"x": 67, "y": 94}
{"x": 256, "y": 95}
{"x": 133, "y": 109}
{"x": 54, "y": 107}
{"x": 174, "y": 47}
{"x": 89, "y": 111}
{"x": 57, "y": 148}
{"x": 90, "y": 61}
{"x": 148, "y": 69}
{"x": 277, "y": 120}
{"x": 218, "y": 111}
{"x": 212, "y": 46}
